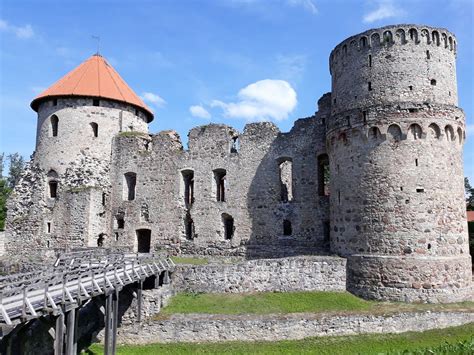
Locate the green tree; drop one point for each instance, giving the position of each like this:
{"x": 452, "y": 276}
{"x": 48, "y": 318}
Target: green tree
{"x": 17, "y": 165}
{"x": 469, "y": 195}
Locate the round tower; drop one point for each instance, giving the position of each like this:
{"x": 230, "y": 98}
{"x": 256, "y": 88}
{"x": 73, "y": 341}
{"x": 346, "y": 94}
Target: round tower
{"x": 81, "y": 113}
{"x": 395, "y": 139}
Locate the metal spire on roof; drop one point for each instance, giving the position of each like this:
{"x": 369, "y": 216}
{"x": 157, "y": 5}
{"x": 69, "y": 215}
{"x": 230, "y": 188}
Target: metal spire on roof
{"x": 98, "y": 43}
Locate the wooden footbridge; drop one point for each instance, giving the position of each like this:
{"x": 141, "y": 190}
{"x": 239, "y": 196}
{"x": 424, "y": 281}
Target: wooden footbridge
{"x": 75, "y": 279}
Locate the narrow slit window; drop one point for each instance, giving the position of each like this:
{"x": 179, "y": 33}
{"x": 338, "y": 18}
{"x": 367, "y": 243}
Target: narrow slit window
{"x": 370, "y": 60}
{"x": 220, "y": 184}
{"x": 420, "y": 190}
{"x": 189, "y": 227}
{"x": 188, "y": 181}
{"x": 48, "y": 227}
{"x": 323, "y": 175}
{"x": 95, "y": 129}
{"x": 103, "y": 198}
{"x": 129, "y": 186}
{"x": 369, "y": 86}
{"x": 364, "y": 116}
{"x": 428, "y": 55}
{"x": 54, "y": 125}
{"x": 433, "y": 82}
{"x": 287, "y": 229}
{"x": 416, "y": 162}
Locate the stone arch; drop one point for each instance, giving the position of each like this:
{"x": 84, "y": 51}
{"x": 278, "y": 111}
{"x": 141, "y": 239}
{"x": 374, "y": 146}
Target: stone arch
{"x": 434, "y": 131}
{"x": 425, "y": 34}
{"x": 375, "y": 39}
{"x": 363, "y": 42}
{"x": 445, "y": 40}
{"x": 374, "y": 134}
{"x": 415, "y": 131}
{"x": 400, "y": 35}
{"x": 413, "y": 33}
{"x": 394, "y": 133}
{"x": 435, "y": 37}
{"x": 449, "y": 131}
{"x": 387, "y": 37}
{"x": 460, "y": 135}
{"x": 54, "y": 123}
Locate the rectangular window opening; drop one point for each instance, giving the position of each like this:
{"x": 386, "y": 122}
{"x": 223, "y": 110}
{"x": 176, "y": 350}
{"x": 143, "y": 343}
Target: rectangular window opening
{"x": 129, "y": 186}
{"x": 286, "y": 180}
{"x": 370, "y": 60}
{"x": 220, "y": 184}
{"x": 369, "y": 85}
{"x": 48, "y": 227}
{"x": 323, "y": 175}
{"x": 420, "y": 190}
{"x": 53, "y": 189}
{"x": 287, "y": 229}
{"x": 229, "y": 228}
{"x": 188, "y": 180}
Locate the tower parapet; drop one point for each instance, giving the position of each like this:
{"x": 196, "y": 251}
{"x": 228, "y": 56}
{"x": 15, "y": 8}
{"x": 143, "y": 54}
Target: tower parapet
{"x": 395, "y": 144}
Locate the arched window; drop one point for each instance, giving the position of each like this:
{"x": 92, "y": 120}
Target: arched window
{"x": 445, "y": 40}
{"x": 415, "y": 131}
{"x": 53, "y": 184}
{"x": 95, "y": 129}
{"x": 363, "y": 42}
{"x": 394, "y": 133}
{"x": 387, "y": 37}
{"x": 286, "y": 179}
{"x": 375, "y": 40}
{"x": 323, "y": 175}
{"x": 130, "y": 183}
{"x": 460, "y": 135}
{"x": 425, "y": 36}
{"x": 228, "y": 224}
{"x": 374, "y": 134}
{"x": 400, "y": 34}
{"x": 450, "y": 43}
{"x": 434, "y": 131}
{"x": 448, "y": 130}
{"x": 287, "y": 229}
{"x": 413, "y": 35}
{"x": 54, "y": 120}
{"x": 435, "y": 37}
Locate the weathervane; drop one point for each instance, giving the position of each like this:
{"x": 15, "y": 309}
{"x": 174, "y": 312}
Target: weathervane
{"x": 98, "y": 42}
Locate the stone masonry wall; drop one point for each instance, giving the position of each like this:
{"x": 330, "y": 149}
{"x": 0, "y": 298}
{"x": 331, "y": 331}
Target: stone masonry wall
{"x": 213, "y": 328}
{"x": 314, "y": 273}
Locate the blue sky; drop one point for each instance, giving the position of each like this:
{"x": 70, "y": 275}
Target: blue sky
{"x": 204, "y": 61}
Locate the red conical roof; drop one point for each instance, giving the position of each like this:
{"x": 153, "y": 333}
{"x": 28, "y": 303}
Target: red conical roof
{"x": 94, "y": 78}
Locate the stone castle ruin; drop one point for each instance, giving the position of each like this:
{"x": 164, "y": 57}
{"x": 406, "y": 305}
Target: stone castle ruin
{"x": 375, "y": 176}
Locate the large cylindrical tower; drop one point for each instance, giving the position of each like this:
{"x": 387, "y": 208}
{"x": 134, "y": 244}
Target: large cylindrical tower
{"x": 395, "y": 140}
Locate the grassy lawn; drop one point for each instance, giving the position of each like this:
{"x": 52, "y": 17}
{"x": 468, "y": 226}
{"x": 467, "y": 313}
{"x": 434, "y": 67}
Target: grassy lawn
{"x": 456, "y": 340}
{"x": 291, "y": 302}
{"x": 264, "y": 303}
{"x": 189, "y": 260}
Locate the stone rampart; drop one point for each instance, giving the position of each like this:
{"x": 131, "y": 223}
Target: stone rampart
{"x": 315, "y": 273}
{"x": 214, "y": 328}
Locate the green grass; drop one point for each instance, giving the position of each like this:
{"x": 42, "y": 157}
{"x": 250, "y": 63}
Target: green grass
{"x": 189, "y": 260}
{"x": 456, "y": 340}
{"x": 264, "y": 303}
{"x": 292, "y": 302}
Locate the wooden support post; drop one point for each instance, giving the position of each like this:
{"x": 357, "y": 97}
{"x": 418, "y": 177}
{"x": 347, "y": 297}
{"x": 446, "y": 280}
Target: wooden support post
{"x": 115, "y": 320}
{"x": 139, "y": 301}
{"x": 59, "y": 335}
{"x": 108, "y": 325}
{"x": 71, "y": 342}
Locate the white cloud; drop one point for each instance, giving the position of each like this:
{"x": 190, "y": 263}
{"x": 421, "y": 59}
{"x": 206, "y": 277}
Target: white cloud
{"x": 22, "y": 32}
{"x": 199, "y": 111}
{"x": 385, "y": 9}
{"x": 154, "y": 99}
{"x": 308, "y": 5}
{"x": 263, "y": 100}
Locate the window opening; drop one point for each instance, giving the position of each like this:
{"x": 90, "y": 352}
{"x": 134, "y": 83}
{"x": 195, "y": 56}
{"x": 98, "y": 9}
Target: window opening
{"x": 323, "y": 175}
{"x": 229, "y": 228}
{"x": 189, "y": 227}
{"x": 120, "y": 222}
{"x": 370, "y": 60}
{"x": 48, "y": 227}
{"x": 96, "y": 102}
{"x": 420, "y": 190}
{"x": 326, "y": 231}
{"x": 143, "y": 240}
{"x": 54, "y": 125}
{"x": 287, "y": 230}
{"x": 286, "y": 180}
{"x": 55, "y": 102}
{"x": 95, "y": 129}
{"x": 53, "y": 189}
{"x": 433, "y": 82}
{"x": 129, "y": 186}
{"x": 220, "y": 181}
{"x": 188, "y": 180}
{"x": 369, "y": 86}
{"x": 235, "y": 145}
